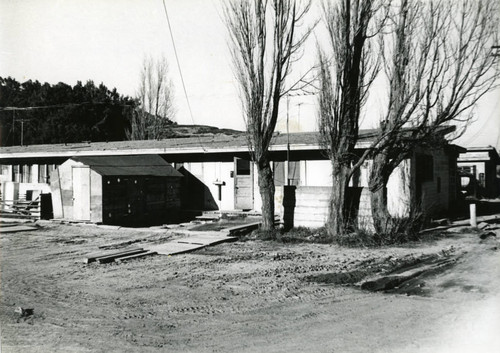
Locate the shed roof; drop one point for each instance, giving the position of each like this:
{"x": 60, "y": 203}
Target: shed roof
{"x": 137, "y": 165}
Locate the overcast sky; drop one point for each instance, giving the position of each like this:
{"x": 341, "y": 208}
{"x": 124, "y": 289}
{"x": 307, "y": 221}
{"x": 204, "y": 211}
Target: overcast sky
{"x": 106, "y": 41}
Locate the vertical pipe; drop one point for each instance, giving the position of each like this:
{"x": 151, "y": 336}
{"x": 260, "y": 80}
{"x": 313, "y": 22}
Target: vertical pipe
{"x": 288, "y": 139}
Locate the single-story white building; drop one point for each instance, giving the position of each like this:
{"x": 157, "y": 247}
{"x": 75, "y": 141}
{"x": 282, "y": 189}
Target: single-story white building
{"x": 218, "y": 174}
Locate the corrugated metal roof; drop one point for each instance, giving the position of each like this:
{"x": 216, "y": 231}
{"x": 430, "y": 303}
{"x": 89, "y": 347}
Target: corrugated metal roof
{"x": 138, "y": 165}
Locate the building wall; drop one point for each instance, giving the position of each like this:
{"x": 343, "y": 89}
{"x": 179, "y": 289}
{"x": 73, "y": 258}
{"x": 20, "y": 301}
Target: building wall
{"x": 201, "y": 190}
{"x": 435, "y": 198}
{"x": 311, "y": 206}
{"x": 315, "y": 173}
{"x": 312, "y": 173}
{"x": 29, "y": 183}
{"x": 62, "y": 189}
{"x": 436, "y": 191}
{"x": 96, "y": 206}
{"x": 55, "y": 190}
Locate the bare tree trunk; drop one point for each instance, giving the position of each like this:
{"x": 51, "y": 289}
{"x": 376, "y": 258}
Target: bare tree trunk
{"x": 262, "y": 65}
{"x": 380, "y": 214}
{"x": 337, "y": 221}
{"x": 267, "y": 190}
{"x": 344, "y": 81}
{"x": 379, "y": 176}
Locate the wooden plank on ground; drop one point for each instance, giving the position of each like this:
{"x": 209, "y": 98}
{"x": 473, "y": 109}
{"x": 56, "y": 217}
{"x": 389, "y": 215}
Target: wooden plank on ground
{"x": 15, "y": 229}
{"x": 136, "y": 256}
{"x": 173, "y": 248}
{"x": 113, "y": 257}
{"x": 5, "y": 224}
{"x": 206, "y": 240}
{"x": 242, "y": 228}
{"x": 96, "y": 256}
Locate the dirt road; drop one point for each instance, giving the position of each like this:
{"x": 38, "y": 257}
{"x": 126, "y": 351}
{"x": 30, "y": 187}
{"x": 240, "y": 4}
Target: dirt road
{"x": 253, "y": 296}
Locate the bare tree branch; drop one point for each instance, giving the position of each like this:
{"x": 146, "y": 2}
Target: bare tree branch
{"x": 344, "y": 84}
{"x": 155, "y": 96}
{"x": 264, "y": 43}
{"x": 438, "y": 65}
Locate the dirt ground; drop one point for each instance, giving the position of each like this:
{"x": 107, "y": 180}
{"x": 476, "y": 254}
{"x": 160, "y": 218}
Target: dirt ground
{"x": 244, "y": 296}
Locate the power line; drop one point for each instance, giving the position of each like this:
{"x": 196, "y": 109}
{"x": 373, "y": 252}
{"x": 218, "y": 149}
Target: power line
{"x": 179, "y": 68}
{"x": 177, "y": 60}
{"x": 55, "y": 106}
{"x": 483, "y": 125}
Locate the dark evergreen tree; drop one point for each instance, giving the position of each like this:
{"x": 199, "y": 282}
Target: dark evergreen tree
{"x": 43, "y": 113}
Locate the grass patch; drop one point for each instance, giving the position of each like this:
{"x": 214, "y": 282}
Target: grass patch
{"x": 259, "y": 234}
{"x": 306, "y": 235}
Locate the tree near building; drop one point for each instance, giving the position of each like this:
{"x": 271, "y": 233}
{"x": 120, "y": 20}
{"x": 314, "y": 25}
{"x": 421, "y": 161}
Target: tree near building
{"x": 438, "y": 63}
{"x": 264, "y": 43}
{"x": 346, "y": 71}
{"x": 155, "y": 111}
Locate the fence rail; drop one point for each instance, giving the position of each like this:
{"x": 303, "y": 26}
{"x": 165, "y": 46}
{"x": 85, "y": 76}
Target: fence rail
{"x": 21, "y": 208}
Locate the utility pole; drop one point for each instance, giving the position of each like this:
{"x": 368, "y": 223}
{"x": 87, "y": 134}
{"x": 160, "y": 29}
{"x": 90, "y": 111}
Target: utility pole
{"x": 22, "y": 120}
{"x": 288, "y": 139}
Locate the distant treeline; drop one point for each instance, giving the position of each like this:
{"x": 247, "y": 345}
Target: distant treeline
{"x": 35, "y": 113}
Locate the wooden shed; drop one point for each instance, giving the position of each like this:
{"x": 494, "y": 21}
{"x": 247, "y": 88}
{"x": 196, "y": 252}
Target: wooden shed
{"x": 120, "y": 190}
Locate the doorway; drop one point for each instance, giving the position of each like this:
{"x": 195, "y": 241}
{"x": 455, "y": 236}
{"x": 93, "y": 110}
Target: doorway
{"x": 81, "y": 193}
{"x": 243, "y": 184}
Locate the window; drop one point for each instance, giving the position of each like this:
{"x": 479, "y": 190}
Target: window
{"x": 482, "y": 180}
{"x": 44, "y": 171}
{"x": 279, "y": 173}
{"x": 468, "y": 170}
{"x": 293, "y": 177}
{"x": 4, "y": 170}
{"x": 294, "y": 173}
{"x": 16, "y": 173}
{"x": 242, "y": 167}
{"x": 26, "y": 173}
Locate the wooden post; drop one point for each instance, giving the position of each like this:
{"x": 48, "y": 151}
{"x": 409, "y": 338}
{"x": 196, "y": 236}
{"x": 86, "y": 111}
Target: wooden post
{"x": 473, "y": 218}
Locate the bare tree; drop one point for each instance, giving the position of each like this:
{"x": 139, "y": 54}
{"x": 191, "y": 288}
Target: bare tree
{"x": 264, "y": 44}
{"x": 439, "y": 63}
{"x": 155, "y": 96}
{"x": 344, "y": 82}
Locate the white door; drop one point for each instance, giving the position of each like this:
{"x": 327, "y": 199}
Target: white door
{"x": 81, "y": 193}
